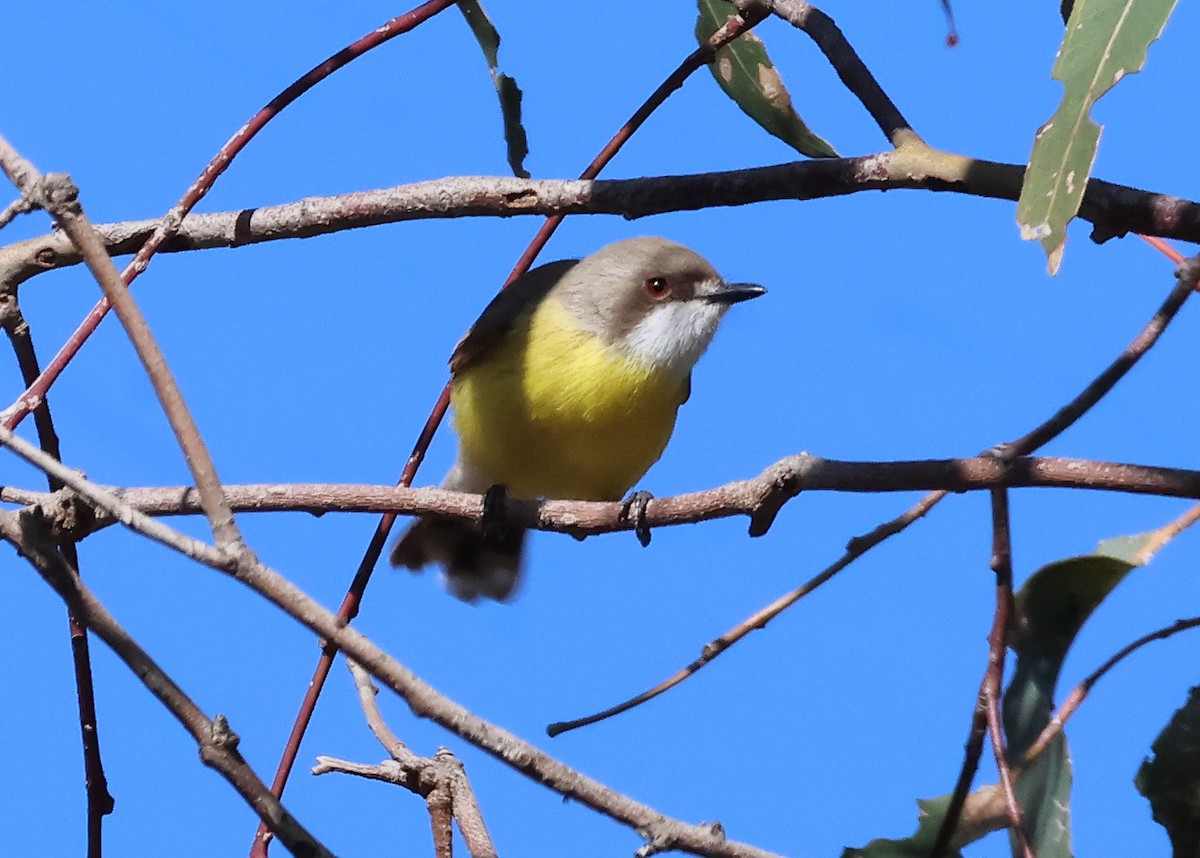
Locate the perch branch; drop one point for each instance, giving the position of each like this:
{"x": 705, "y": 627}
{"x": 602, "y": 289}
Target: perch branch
{"x": 760, "y": 498}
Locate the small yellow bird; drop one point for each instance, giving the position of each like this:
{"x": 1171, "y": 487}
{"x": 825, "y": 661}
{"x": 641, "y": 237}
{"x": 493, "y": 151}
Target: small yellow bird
{"x": 567, "y": 387}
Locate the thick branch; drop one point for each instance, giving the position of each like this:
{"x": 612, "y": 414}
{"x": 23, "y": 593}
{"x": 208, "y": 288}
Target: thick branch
{"x": 1113, "y": 209}
{"x": 760, "y": 497}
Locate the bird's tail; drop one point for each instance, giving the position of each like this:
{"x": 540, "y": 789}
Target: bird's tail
{"x": 476, "y": 563}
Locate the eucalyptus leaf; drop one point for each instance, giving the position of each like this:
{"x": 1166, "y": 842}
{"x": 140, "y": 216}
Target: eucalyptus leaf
{"x": 506, "y": 87}
{"x": 929, "y": 823}
{"x": 1050, "y": 609}
{"x": 746, "y": 74}
{"x": 1105, "y": 40}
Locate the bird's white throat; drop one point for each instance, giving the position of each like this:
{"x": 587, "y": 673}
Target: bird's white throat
{"x": 675, "y": 334}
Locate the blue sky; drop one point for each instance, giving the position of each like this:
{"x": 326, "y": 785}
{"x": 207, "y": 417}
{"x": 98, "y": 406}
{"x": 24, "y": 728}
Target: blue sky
{"x": 898, "y": 325}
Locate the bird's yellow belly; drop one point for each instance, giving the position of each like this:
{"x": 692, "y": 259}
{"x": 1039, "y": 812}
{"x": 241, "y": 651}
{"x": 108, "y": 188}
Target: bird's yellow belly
{"x": 554, "y": 412}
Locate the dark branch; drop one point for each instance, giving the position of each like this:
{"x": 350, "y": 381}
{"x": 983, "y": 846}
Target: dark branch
{"x": 1113, "y": 209}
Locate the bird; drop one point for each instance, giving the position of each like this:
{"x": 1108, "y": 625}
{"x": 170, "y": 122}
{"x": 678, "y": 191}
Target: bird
{"x": 567, "y": 387}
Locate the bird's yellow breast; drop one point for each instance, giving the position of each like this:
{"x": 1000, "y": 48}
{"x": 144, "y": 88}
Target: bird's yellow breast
{"x": 552, "y": 411}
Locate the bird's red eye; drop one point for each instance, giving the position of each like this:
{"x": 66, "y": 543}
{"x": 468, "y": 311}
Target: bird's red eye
{"x": 658, "y": 287}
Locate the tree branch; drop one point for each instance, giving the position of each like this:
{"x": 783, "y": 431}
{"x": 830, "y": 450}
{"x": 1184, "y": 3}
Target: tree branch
{"x": 760, "y": 498}
{"x": 441, "y": 780}
{"x": 1113, "y": 209}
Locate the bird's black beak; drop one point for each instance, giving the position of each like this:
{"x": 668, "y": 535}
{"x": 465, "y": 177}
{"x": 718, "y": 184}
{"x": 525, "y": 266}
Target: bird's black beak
{"x": 732, "y": 293}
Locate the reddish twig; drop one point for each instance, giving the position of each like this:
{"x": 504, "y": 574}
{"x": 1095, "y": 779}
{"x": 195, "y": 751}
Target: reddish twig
{"x": 99, "y": 799}
{"x": 991, "y": 693}
{"x": 1080, "y": 692}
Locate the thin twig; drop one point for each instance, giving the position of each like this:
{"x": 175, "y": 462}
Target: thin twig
{"x": 1080, "y": 692}
{"x": 1165, "y": 534}
{"x": 21, "y": 205}
{"x": 218, "y": 745}
{"x": 985, "y": 719}
{"x": 1186, "y": 280}
{"x": 441, "y": 779}
{"x": 756, "y": 621}
{"x": 99, "y": 799}
{"x": 852, "y": 71}
{"x": 111, "y": 504}
{"x": 61, "y": 199}
{"x": 1001, "y": 565}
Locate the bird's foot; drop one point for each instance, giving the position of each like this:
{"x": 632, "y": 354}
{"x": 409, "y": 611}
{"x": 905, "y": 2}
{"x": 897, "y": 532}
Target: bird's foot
{"x": 633, "y": 509}
{"x": 492, "y": 521}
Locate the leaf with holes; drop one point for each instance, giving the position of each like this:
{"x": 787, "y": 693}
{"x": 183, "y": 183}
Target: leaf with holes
{"x": 1104, "y": 41}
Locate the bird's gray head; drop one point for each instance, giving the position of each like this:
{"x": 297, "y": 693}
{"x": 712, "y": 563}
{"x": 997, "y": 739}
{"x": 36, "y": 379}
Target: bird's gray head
{"x": 653, "y": 298}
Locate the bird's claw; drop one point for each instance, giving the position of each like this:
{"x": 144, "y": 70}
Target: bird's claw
{"x": 492, "y": 519}
{"x": 633, "y": 509}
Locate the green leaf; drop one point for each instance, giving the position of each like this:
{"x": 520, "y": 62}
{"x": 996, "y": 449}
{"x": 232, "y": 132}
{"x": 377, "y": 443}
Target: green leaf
{"x": 932, "y": 812}
{"x": 1104, "y": 41}
{"x": 746, "y": 73}
{"x": 1171, "y": 781}
{"x": 1051, "y": 608}
{"x": 506, "y": 87}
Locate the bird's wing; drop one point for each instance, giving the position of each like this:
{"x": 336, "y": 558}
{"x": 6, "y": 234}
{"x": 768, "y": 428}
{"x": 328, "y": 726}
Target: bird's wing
{"x": 499, "y": 317}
